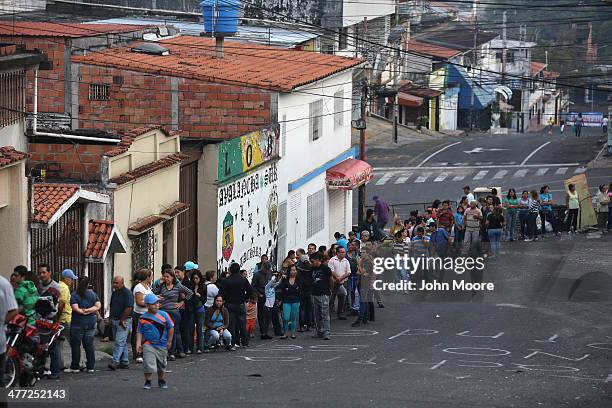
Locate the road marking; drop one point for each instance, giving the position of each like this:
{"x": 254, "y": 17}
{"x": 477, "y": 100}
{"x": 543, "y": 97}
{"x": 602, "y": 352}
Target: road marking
{"x": 440, "y": 364}
{"x": 541, "y": 172}
{"x": 383, "y": 180}
{"x": 422, "y": 177}
{"x": 441, "y": 177}
{"x": 520, "y": 173}
{"x": 500, "y": 174}
{"x": 480, "y": 175}
{"x": 461, "y": 164}
{"x": 561, "y": 170}
{"x": 458, "y": 167}
{"x": 534, "y": 152}
{"x": 458, "y": 177}
{"x": 403, "y": 178}
{"x": 580, "y": 170}
{"x": 436, "y": 152}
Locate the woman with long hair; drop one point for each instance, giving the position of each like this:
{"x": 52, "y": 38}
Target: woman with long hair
{"x": 289, "y": 260}
{"x": 172, "y": 295}
{"x": 290, "y": 289}
{"x": 495, "y": 225}
{"x": 217, "y": 321}
{"x": 511, "y": 205}
{"x": 199, "y": 299}
{"x": 85, "y": 305}
{"x": 397, "y": 225}
{"x": 523, "y": 213}
{"x": 144, "y": 279}
{"x": 534, "y": 209}
{"x": 573, "y": 208}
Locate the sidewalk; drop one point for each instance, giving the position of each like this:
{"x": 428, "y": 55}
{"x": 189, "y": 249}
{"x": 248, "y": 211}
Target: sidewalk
{"x": 103, "y": 354}
{"x": 602, "y": 160}
{"x": 379, "y": 133}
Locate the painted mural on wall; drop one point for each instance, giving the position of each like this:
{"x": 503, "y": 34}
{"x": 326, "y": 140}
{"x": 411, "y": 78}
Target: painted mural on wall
{"x": 243, "y": 154}
{"x": 247, "y": 225}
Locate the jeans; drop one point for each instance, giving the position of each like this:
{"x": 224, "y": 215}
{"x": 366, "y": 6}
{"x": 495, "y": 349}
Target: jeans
{"x": 572, "y": 219}
{"x": 291, "y": 312}
{"x": 401, "y": 274}
{"x": 213, "y": 336}
{"x": 532, "y": 229}
{"x": 237, "y": 323}
{"x": 459, "y": 235}
{"x": 135, "y": 319}
{"x": 187, "y": 324}
{"x": 321, "y": 314}
{"x": 523, "y": 220}
{"x": 199, "y": 330}
{"x": 353, "y": 284}
{"x": 495, "y": 240}
{"x": 471, "y": 240}
{"x": 338, "y": 291}
{"x": 511, "y": 217}
{"x": 366, "y": 306}
{"x": 55, "y": 350}
{"x": 177, "y": 344}
{"x": 121, "y": 335}
{"x": 82, "y": 335}
{"x": 547, "y": 215}
{"x": 306, "y": 310}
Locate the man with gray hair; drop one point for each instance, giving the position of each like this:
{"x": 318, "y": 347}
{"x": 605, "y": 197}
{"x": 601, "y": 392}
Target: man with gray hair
{"x": 471, "y": 225}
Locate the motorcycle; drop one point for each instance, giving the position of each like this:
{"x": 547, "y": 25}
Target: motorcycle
{"x": 27, "y": 350}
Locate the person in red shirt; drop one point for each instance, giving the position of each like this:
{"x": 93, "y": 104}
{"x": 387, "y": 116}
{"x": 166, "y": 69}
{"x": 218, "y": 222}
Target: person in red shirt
{"x": 446, "y": 219}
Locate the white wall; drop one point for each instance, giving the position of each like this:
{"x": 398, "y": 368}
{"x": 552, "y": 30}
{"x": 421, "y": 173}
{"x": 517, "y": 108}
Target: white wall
{"x": 13, "y": 135}
{"x": 354, "y": 11}
{"x": 300, "y": 155}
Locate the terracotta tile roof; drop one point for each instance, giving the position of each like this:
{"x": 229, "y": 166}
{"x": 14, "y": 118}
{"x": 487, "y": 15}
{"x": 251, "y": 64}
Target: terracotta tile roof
{"x": 42, "y": 29}
{"x": 99, "y": 234}
{"x": 8, "y": 155}
{"x": 127, "y": 138}
{"x": 149, "y": 168}
{"x": 254, "y": 65}
{"x": 48, "y": 198}
{"x": 550, "y": 74}
{"x": 537, "y": 67}
{"x": 145, "y": 224}
{"x": 174, "y": 210}
{"x": 431, "y": 49}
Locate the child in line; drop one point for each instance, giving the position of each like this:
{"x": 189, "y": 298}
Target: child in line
{"x": 153, "y": 340}
{"x": 251, "y": 315}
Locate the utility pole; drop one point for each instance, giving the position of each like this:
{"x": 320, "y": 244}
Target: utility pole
{"x": 395, "y": 113}
{"x": 503, "y": 70}
{"x": 475, "y": 58}
{"x": 362, "y": 150}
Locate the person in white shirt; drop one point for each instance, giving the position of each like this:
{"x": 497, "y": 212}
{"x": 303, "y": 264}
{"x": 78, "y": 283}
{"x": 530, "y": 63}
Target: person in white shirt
{"x": 212, "y": 290}
{"x": 8, "y": 310}
{"x": 468, "y": 194}
{"x": 341, "y": 270}
{"x": 142, "y": 289}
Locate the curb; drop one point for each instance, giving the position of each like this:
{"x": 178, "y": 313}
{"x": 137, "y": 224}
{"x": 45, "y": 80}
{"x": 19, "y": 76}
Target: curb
{"x": 599, "y": 161}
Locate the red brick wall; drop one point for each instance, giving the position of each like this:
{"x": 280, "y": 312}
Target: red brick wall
{"x": 206, "y": 110}
{"x": 68, "y": 161}
{"x": 50, "y": 83}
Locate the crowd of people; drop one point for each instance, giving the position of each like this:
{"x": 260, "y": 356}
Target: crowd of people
{"x": 186, "y": 312}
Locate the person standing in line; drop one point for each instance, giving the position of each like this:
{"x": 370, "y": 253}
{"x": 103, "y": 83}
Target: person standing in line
{"x": 212, "y": 290}
{"x": 251, "y": 315}
{"x": 573, "y": 208}
{"x": 8, "y": 310}
{"x": 602, "y": 207}
{"x": 121, "y": 305}
{"x": 366, "y": 305}
{"x": 534, "y": 209}
{"x": 353, "y": 283}
{"x": 471, "y": 227}
{"x": 199, "y": 299}
{"x": 523, "y": 213}
{"x": 305, "y": 275}
{"x": 65, "y": 316}
{"x": 381, "y": 209}
{"x": 85, "y": 305}
{"x": 341, "y": 270}
{"x": 322, "y": 282}
{"x": 236, "y": 290}
{"x": 51, "y": 289}
{"x": 546, "y": 212}
{"x": 459, "y": 232}
{"x": 495, "y": 225}
{"x": 468, "y": 195}
{"x": 183, "y": 275}
{"x": 173, "y": 296}
{"x": 153, "y": 341}
{"x": 142, "y": 289}
{"x": 290, "y": 294}
{"x": 511, "y": 204}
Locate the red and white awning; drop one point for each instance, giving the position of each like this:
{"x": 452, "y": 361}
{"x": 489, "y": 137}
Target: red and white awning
{"x": 348, "y": 175}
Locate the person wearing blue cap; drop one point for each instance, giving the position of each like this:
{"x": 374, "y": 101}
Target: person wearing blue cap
{"x": 153, "y": 340}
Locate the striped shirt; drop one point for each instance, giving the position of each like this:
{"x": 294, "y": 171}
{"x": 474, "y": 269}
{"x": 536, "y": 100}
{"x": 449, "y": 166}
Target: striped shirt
{"x": 534, "y": 206}
{"x": 401, "y": 248}
{"x": 171, "y": 296}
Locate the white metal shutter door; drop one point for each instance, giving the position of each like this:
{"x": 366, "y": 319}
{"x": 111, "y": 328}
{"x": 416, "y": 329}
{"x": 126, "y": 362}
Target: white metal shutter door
{"x": 337, "y": 213}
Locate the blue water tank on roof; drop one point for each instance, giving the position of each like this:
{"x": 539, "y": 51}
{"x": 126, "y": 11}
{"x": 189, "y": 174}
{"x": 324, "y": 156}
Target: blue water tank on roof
{"x": 221, "y": 16}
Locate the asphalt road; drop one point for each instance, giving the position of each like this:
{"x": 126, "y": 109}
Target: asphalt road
{"x": 541, "y": 338}
{"x": 422, "y": 172}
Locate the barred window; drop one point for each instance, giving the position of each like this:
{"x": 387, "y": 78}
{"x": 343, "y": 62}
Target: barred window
{"x": 316, "y": 119}
{"x": 12, "y": 97}
{"x": 99, "y": 92}
{"x": 338, "y": 109}
{"x": 315, "y": 213}
{"x": 143, "y": 251}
